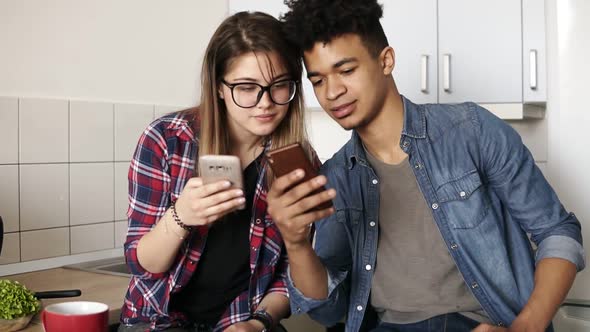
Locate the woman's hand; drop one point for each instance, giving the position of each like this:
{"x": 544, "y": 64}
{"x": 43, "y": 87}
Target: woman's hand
{"x": 246, "y": 326}
{"x": 201, "y": 204}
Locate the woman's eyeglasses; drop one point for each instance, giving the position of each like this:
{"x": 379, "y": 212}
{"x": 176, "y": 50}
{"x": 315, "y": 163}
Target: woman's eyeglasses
{"x": 248, "y": 94}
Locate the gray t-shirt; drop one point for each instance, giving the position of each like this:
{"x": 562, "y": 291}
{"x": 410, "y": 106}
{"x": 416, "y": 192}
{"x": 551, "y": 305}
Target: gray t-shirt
{"x": 415, "y": 277}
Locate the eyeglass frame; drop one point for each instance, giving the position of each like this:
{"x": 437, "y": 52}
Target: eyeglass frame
{"x": 263, "y": 89}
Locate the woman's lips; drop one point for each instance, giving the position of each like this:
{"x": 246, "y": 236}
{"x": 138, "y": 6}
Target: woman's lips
{"x": 265, "y": 117}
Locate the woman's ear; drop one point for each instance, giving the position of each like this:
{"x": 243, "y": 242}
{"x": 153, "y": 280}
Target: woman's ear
{"x": 220, "y": 91}
{"x": 387, "y": 60}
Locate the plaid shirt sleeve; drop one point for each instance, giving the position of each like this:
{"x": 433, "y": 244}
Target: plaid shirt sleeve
{"x": 149, "y": 184}
{"x": 279, "y": 285}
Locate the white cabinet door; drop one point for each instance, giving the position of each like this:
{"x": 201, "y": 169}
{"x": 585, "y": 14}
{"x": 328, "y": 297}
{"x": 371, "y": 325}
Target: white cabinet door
{"x": 275, "y": 8}
{"x": 480, "y": 51}
{"x": 533, "y": 51}
{"x": 410, "y": 27}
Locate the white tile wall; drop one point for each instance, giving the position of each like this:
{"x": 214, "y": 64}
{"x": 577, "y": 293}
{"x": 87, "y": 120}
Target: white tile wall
{"x": 121, "y": 190}
{"x": 92, "y": 237}
{"x": 43, "y": 131}
{"x": 44, "y": 196}
{"x": 130, "y": 121}
{"x": 63, "y": 174}
{"x": 10, "y": 249}
{"x": 91, "y": 193}
{"x": 9, "y": 197}
{"x": 120, "y": 233}
{"x": 161, "y": 110}
{"x": 9, "y": 132}
{"x": 91, "y": 131}
{"x": 45, "y": 243}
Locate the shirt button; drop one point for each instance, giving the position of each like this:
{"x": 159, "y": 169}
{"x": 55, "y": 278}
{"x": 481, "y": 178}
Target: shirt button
{"x": 454, "y": 246}
{"x": 372, "y": 224}
{"x": 462, "y": 194}
{"x": 298, "y": 310}
{"x": 359, "y": 308}
{"x": 375, "y": 181}
{"x": 474, "y": 285}
{"x": 406, "y": 144}
{"x": 368, "y": 267}
{"x": 418, "y": 166}
{"x": 434, "y": 206}
{"x": 258, "y": 221}
{"x": 254, "y": 248}
{"x": 500, "y": 324}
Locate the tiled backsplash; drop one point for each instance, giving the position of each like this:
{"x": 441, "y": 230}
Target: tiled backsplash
{"x": 63, "y": 174}
{"x": 63, "y": 170}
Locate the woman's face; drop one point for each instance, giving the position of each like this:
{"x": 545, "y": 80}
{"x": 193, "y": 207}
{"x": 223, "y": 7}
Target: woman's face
{"x": 247, "y": 117}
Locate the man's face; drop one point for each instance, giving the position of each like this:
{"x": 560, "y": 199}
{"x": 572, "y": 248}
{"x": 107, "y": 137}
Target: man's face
{"x": 348, "y": 81}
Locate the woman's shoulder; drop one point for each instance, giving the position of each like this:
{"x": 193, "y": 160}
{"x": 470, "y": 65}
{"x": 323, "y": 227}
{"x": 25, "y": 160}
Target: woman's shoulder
{"x": 178, "y": 123}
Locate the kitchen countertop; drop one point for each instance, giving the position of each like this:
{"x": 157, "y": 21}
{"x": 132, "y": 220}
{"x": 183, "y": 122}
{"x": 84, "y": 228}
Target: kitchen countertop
{"x": 97, "y": 287}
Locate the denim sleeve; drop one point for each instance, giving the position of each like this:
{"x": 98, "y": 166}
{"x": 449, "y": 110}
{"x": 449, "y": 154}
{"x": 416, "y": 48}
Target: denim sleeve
{"x": 513, "y": 175}
{"x": 334, "y": 252}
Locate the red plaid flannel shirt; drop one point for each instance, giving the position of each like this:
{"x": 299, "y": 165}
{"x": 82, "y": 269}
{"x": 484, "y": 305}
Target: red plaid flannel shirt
{"x": 163, "y": 162}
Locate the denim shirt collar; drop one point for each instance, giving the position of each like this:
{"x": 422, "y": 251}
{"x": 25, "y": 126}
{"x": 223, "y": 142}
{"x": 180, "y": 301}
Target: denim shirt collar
{"x": 414, "y": 126}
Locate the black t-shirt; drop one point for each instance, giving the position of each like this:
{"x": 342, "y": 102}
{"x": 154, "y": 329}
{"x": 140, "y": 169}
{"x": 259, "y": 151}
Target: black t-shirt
{"x": 223, "y": 270}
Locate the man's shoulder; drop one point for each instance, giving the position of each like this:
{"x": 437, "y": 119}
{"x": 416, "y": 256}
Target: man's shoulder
{"x": 451, "y": 112}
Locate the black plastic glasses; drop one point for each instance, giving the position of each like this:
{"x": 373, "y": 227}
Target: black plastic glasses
{"x": 248, "y": 94}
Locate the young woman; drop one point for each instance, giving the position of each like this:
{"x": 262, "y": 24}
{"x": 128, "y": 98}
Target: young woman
{"x": 199, "y": 262}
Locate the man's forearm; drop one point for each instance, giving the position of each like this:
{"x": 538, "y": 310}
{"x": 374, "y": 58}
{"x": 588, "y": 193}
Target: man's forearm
{"x": 553, "y": 279}
{"x": 307, "y": 272}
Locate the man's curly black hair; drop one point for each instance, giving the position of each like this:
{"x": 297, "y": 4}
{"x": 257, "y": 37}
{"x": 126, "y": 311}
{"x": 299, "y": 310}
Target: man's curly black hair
{"x": 312, "y": 21}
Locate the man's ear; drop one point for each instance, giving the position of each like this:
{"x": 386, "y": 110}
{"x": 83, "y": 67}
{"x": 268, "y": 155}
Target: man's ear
{"x": 387, "y": 60}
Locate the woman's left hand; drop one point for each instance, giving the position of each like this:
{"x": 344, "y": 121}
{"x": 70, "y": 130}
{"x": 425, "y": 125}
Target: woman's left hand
{"x": 246, "y": 326}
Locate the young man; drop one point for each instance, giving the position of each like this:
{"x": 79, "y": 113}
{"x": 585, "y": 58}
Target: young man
{"x": 432, "y": 203}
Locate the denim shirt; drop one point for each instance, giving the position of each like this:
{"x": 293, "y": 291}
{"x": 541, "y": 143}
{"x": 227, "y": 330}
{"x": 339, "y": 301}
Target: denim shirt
{"x": 486, "y": 195}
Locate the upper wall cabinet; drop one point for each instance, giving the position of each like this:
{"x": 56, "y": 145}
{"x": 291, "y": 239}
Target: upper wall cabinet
{"x": 410, "y": 27}
{"x": 533, "y": 51}
{"x": 275, "y": 8}
{"x": 479, "y": 51}
{"x": 449, "y": 51}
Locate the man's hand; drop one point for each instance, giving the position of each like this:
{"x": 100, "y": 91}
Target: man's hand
{"x": 292, "y": 210}
{"x": 246, "y": 326}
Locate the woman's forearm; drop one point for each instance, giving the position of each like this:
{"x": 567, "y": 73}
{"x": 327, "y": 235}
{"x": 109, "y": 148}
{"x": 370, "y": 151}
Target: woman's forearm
{"x": 157, "y": 249}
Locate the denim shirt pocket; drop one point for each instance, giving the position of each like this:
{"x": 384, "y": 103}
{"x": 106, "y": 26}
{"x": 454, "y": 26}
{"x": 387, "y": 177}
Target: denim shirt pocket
{"x": 464, "y": 200}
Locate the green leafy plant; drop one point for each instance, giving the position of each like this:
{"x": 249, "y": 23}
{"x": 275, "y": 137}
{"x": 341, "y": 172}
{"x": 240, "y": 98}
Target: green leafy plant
{"x": 16, "y": 300}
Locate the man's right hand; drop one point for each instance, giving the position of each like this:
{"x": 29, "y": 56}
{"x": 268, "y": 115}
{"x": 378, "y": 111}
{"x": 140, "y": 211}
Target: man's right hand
{"x": 292, "y": 210}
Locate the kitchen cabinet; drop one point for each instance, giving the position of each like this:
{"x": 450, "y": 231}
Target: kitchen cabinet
{"x": 450, "y": 51}
{"x": 534, "y": 51}
{"x": 410, "y": 27}
{"x": 479, "y": 51}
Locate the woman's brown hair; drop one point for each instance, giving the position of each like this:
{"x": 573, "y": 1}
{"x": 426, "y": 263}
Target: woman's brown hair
{"x": 239, "y": 34}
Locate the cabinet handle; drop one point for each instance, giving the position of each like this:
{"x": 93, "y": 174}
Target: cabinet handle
{"x": 424, "y": 74}
{"x": 447, "y": 73}
{"x": 533, "y": 69}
